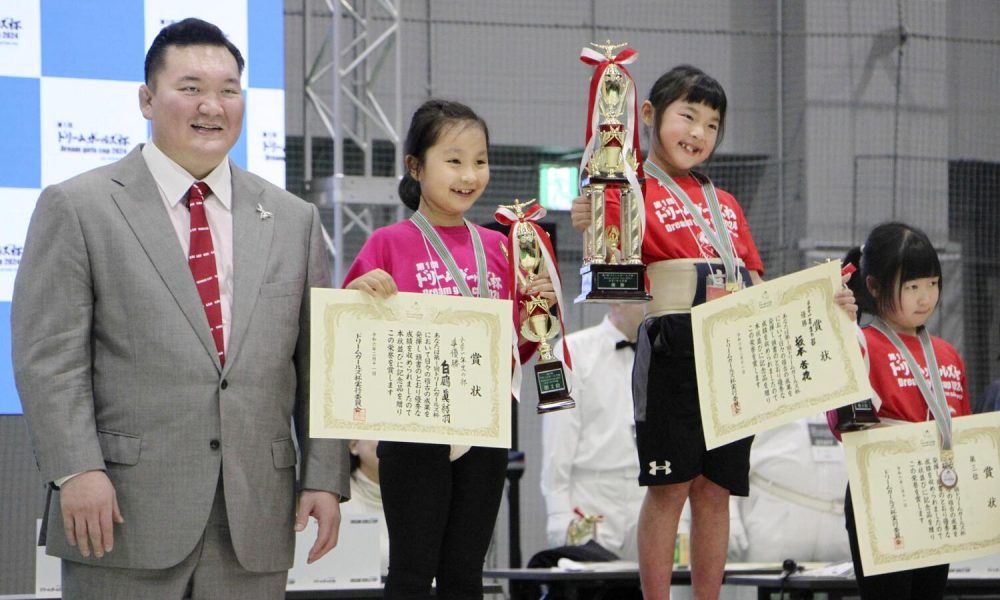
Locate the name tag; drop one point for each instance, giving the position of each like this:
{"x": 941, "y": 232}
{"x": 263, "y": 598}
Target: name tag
{"x": 823, "y": 444}
{"x": 716, "y": 286}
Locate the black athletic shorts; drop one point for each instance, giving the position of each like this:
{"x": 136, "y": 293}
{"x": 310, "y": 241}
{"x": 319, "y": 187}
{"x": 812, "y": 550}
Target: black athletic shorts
{"x": 667, "y": 417}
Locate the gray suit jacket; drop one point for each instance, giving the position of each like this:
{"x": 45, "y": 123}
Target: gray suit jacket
{"x": 116, "y": 368}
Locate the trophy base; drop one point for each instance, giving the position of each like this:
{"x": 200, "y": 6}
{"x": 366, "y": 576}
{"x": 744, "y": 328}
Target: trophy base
{"x": 612, "y": 284}
{"x": 856, "y": 417}
{"x": 553, "y": 393}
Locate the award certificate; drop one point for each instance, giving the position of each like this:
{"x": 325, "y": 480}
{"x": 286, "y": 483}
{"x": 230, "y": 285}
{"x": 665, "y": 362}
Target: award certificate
{"x": 906, "y": 518}
{"x": 411, "y": 368}
{"x": 774, "y": 353}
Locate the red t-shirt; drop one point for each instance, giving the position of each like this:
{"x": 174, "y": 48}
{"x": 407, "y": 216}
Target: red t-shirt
{"x": 893, "y": 383}
{"x": 672, "y": 233}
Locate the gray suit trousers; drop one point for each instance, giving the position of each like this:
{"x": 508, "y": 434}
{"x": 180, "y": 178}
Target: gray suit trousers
{"x": 210, "y": 572}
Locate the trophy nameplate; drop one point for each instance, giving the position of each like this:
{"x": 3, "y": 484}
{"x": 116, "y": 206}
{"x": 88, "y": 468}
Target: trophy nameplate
{"x": 857, "y": 416}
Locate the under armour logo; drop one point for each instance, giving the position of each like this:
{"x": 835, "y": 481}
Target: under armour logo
{"x": 663, "y": 468}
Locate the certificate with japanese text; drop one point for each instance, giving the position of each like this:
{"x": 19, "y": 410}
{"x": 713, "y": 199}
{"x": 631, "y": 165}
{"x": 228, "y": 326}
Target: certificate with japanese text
{"x": 411, "y": 368}
{"x": 774, "y": 353}
{"x": 906, "y": 518}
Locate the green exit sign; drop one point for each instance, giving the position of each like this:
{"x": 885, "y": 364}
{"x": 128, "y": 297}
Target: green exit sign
{"x": 557, "y": 186}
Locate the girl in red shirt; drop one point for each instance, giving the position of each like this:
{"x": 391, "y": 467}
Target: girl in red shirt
{"x": 898, "y": 281}
{"x": 697, "y": 246}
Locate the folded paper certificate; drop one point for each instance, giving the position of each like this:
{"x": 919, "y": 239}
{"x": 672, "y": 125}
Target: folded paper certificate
{"x": 412, "y": 368}
{"x": 905, "y": 517}
{"x": 774, "y": 353}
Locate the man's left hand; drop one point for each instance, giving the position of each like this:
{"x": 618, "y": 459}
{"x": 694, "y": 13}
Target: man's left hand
{"x": 325, "y": 508}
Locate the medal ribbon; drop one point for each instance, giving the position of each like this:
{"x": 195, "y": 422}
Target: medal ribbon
{"x": 722, "y": 244}
{"x": 449, "y": 261}
{"x": 534, "y": 213}
{"x": 935, "y": 398}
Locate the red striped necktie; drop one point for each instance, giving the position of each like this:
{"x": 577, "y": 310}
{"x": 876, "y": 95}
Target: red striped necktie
{"x": 201, "y": 259}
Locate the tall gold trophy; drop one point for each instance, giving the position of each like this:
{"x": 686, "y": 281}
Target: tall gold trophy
{"x": 612, "y": 262}
{"x": 540, "y": 324}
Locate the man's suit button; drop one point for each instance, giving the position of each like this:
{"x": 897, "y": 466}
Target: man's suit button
{"x": 225, "y": 384}
{"x": 214, "y": 444}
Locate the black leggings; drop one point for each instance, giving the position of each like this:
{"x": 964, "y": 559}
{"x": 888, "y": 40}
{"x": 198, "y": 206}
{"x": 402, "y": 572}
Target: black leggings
{"x": 440, "y": 516}
{"x": 926, "y": 583}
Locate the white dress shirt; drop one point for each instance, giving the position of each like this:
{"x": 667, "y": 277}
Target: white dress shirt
{"x": 174, "y": 182}
{"x": 589, "y": 457}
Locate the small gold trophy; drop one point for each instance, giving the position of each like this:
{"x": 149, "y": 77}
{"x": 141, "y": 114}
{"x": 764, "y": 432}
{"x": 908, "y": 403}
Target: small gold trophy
{"x": 612, "y": 263}
{"x": 583, "y": 528}
{"x": 540, "y": 324}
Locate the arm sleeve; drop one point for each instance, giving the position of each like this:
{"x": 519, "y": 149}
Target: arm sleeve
{"x": 966, "y": 407}
{"x": 52, "y": 320}
{"x": 325, "y": 462}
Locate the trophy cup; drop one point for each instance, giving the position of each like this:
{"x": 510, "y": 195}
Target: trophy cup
{"x": 612, "y": 268}
{"x": 540, "y": 324}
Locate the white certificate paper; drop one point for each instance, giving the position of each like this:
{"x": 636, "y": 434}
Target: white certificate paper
{"x": 775, "y": 353}
{"x": 905, "y": 517}
{"x": 412, "y": 368}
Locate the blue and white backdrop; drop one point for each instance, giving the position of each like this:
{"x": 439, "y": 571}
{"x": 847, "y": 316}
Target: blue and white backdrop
{"x": 69, "y": 77}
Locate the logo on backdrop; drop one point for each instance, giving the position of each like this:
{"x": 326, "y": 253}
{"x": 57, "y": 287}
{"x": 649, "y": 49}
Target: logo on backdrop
{"x": 10, "y": 256}
{"x": 10, "y": 31}
{"x": 110, "y": 146}
{"x": 274, "y": 146}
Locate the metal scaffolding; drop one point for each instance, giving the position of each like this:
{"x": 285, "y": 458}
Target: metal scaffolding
{"x": 358, "y": 68}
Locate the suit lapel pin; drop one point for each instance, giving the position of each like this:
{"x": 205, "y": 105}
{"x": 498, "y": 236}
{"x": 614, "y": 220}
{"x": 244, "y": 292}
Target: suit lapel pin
{"x": 264, "y": 214}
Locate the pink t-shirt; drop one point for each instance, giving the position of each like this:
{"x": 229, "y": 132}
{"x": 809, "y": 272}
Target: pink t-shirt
{"x": 401, "y": 251}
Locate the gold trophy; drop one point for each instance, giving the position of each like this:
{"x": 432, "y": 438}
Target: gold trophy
{"x": 612, "y": 263}
{"x": 540, "y": 324}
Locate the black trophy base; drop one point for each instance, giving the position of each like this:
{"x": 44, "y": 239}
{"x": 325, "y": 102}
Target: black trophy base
{"x": 612, "y": 284}
{"x": 553, "y": 393}
{"x": 857, "y": 416}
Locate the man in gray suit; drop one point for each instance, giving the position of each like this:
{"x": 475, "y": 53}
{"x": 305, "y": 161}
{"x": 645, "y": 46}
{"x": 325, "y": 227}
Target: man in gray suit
{"x": 160, "y": 342}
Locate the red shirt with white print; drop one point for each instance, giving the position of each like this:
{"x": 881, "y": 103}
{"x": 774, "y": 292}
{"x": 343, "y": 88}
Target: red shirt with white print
{"x": 895, "y": 386}
{"x": 672, "y": 233}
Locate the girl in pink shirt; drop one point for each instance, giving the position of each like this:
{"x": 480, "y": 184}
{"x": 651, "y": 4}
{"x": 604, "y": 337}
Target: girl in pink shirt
{"x": 440, "y": 505}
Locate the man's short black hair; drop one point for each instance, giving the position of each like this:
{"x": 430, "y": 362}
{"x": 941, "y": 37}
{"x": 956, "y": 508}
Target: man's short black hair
{"x": 189, "y": 32}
